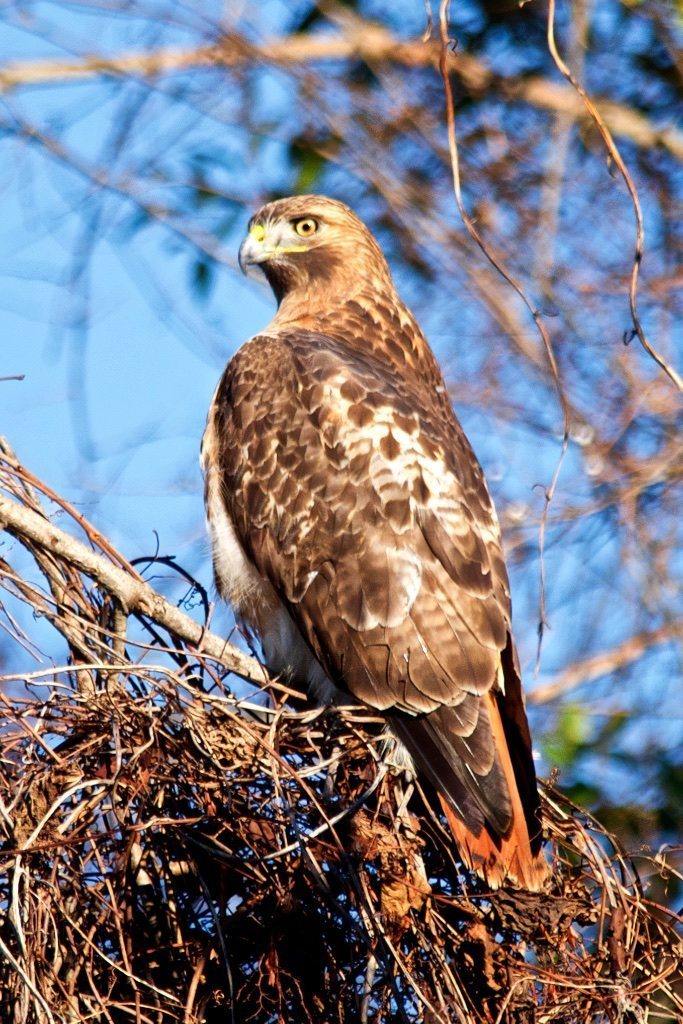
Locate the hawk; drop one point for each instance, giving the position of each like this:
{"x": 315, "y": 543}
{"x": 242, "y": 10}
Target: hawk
{"x": 353, "y": 531}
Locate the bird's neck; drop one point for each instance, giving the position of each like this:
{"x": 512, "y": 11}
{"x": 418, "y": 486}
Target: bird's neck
{"x": 367, "y": 318}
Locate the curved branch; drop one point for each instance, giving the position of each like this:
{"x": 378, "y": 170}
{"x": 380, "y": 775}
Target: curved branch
{"x": 134, "y": 595}
{"x": 615, "y": 155}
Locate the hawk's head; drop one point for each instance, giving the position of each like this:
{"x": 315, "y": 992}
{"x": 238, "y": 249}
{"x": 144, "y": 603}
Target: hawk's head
{"x": 308, "y": 243}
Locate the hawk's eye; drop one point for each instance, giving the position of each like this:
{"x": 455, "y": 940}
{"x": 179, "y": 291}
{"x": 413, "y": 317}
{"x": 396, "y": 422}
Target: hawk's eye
{"x": 306, "y": 227}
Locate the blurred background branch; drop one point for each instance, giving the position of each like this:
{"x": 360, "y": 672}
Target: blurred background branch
{"x": 362, "y": 40}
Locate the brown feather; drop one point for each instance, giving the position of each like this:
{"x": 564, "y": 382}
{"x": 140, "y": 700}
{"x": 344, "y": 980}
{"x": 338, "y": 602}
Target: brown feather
{"x": 354, "y": 532}
{"x": 515, "y": 855}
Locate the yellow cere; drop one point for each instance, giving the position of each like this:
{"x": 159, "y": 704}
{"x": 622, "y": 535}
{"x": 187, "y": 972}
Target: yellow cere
{"x": 257, "y": 232}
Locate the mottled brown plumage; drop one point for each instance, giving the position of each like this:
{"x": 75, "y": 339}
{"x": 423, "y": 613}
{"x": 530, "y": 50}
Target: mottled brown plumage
{"x": 354, "y": 533}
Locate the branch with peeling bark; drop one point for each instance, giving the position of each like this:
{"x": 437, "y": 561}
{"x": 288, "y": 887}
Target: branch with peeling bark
{"x": 360, "y": 41}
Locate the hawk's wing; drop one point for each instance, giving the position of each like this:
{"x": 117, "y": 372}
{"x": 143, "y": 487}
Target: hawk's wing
{"x": 357, "y": 495}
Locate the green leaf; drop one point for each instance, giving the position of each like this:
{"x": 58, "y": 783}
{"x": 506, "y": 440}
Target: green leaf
{"x": 571, "y": 735}
{"x": 310, "y": 166}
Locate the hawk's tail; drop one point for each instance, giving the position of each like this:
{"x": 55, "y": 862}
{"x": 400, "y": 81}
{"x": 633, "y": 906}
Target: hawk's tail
{"x": 516, "y": 854}
{"x": 477, "y": 756}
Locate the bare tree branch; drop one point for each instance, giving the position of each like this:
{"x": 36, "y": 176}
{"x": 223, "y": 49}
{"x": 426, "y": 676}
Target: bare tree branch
{"x": 607, "y": 661}
{"x": 135, "y": 596}
{"x": 615, "y": 155}
{"x": 363, "y": 41}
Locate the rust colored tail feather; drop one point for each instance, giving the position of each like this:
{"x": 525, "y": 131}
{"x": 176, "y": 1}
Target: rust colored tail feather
{"x": 489, "y": 796}
{"x": 498, "y": 862}
{"x": 516, "y": 856}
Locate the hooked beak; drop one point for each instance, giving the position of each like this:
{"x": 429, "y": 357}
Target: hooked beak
{"x": 260, "y": 246}
{"x": 252, "y": 249}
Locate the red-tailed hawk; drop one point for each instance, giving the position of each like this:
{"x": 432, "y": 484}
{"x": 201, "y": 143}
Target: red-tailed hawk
{"x": 353, "y": 531}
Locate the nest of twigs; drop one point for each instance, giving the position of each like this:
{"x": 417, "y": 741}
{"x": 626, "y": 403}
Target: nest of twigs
{"x": 168, "y": 857}
{"x": 169, "y": 852}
